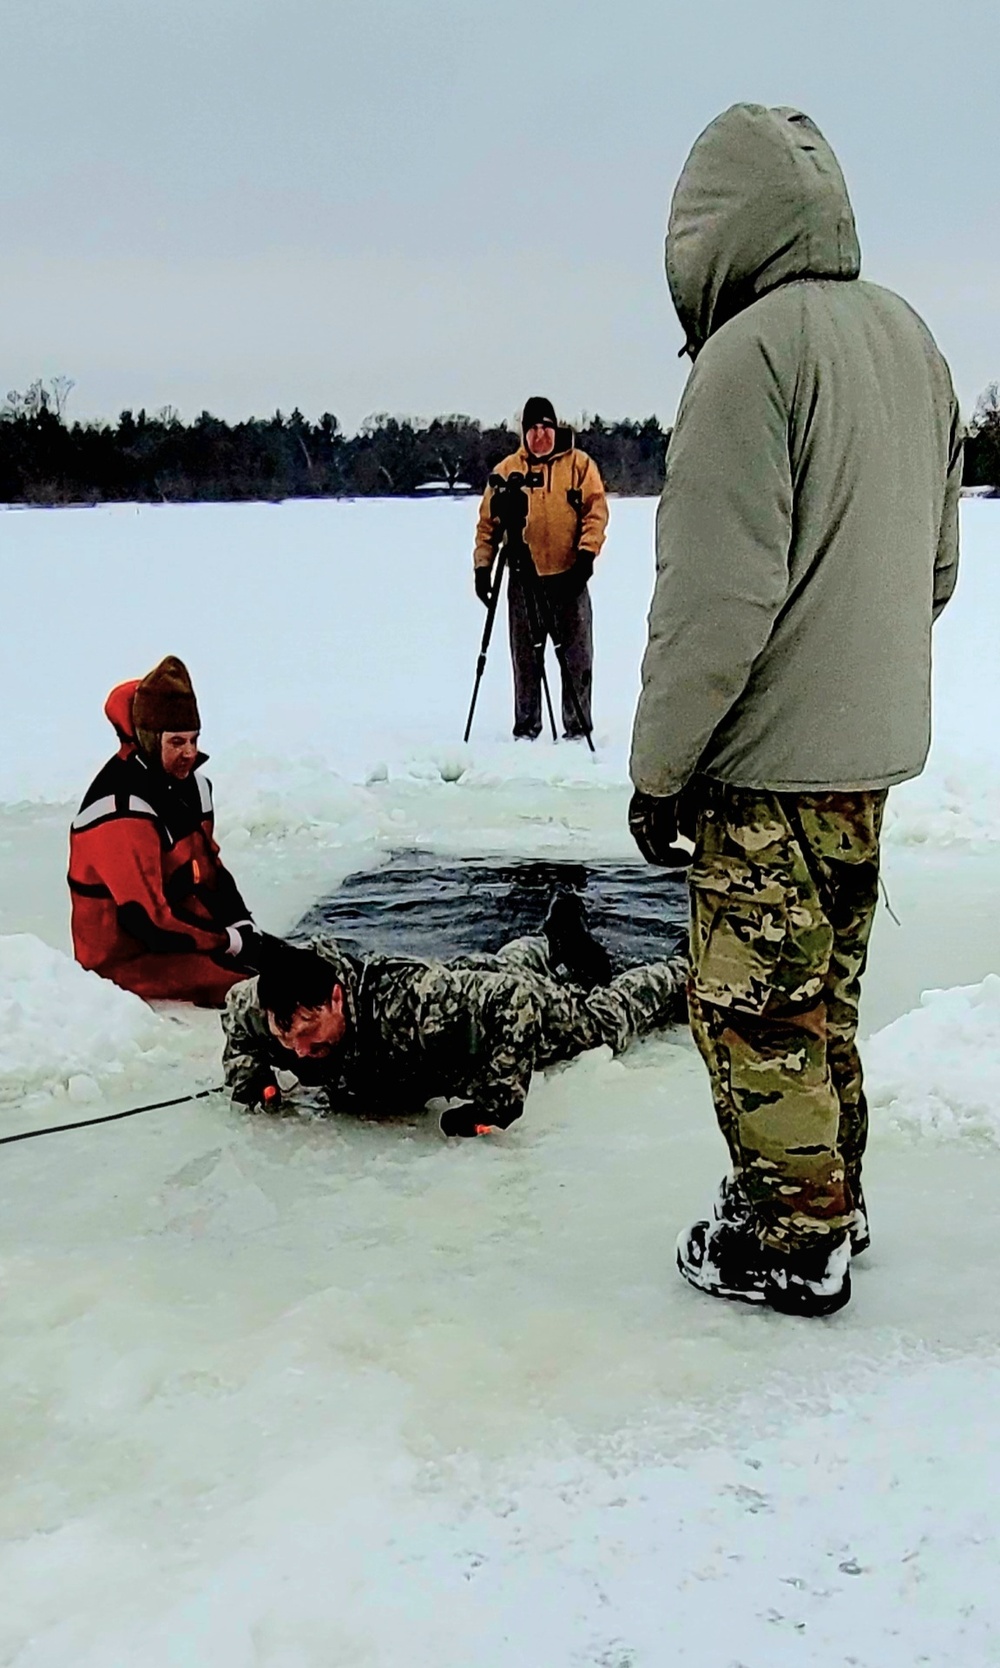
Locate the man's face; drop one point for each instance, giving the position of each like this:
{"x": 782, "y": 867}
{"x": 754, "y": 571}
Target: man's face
{"x": 540, "y": 439}
{"x": 314, "y": 1032}
{"x": 178, "y": 752}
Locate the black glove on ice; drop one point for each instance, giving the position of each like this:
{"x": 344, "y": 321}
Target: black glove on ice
{"x": 484, "y": 588}
{"x": 467, "y": 1120}
{"x": 653, "y": 826}
{"x": 261, "y": 1094}
{"x": 463, "y": 1120}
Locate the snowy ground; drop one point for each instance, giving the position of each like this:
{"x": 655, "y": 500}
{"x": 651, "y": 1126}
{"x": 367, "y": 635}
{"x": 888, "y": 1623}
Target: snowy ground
{"x": 301, "y": 1395}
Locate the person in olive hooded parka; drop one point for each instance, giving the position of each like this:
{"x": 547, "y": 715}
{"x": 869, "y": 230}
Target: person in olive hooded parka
{"x": 807, "y": 537}
{"x": 153, "y": 907}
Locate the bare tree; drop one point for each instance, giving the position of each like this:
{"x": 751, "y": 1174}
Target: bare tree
{"x": 38, "y": 397}
{"x": 60, "y": 388}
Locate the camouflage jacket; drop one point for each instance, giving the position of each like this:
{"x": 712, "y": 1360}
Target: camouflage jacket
{"x": 472, "y": 1029}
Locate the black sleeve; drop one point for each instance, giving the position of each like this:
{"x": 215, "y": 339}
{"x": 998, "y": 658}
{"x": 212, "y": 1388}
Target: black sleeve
{"x": 132, "y": 918}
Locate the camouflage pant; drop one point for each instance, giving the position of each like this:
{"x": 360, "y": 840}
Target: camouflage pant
{"x": 565, "y": 1020}
{"x": 783, "y": 893}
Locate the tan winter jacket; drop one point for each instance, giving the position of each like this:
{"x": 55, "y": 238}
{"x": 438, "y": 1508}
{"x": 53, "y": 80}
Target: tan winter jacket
{"x": 807, "y": 533}
{"x": 567, "y": 507}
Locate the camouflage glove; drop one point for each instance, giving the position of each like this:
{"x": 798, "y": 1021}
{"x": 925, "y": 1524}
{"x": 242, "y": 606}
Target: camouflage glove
{"x": 653, "y": 824}
{"x": 484, "y": 587}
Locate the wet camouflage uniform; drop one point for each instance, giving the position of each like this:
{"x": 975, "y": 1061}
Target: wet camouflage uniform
{"x": 783, "y": 891}
{"x": 472, "y": 1029}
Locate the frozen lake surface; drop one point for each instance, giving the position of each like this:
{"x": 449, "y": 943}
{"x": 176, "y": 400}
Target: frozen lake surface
{"x": 297, "y": 1393}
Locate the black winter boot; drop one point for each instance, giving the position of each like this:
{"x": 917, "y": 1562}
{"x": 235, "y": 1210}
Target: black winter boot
{"x": 725, "y": 1259}
{"x": 572, "y": 946}
{"x": 732, "y": 1205}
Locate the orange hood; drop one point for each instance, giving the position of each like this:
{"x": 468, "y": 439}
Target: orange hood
{"x": 118, "y": 708}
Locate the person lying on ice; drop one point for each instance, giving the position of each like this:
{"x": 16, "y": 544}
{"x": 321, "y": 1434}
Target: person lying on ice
{"x": 386, "y": 1034}
{"x": 153, "y": 908}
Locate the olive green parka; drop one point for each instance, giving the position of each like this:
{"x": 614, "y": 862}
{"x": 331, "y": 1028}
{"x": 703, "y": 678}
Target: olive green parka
{"x": 807, "y": 533}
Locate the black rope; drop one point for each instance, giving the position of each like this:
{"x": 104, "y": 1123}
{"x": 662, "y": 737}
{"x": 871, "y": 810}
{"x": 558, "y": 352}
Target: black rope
{"x": 110, "y": 1117}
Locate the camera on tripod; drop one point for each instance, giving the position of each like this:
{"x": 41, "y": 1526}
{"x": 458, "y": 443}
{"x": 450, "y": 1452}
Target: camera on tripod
{"x": 509, "y": 502}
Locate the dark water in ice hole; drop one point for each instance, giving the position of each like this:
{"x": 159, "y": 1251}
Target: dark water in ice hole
{"x": 424, "y": 905}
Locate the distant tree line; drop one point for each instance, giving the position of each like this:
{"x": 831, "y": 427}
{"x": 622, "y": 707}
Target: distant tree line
{"x": 155, "y": 457}
{"x": 982, "y": 447}
{"x": 44, "y": 459}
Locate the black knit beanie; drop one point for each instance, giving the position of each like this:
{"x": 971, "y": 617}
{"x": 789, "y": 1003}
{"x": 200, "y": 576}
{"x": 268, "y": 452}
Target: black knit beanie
{"x": 537, "y": 410}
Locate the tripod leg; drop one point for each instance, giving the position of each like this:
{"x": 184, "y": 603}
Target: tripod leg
{"x": 548, "y": 696}
{"x": 491, "y": 614}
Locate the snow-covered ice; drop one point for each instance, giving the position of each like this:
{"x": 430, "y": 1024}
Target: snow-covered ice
{"x": 99, "y": 1030}
{"x": 303, "y": 1394}
{"x": 934, "y": 1069}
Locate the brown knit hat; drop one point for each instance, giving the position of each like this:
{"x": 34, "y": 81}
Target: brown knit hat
{"x": 164, "y": 700}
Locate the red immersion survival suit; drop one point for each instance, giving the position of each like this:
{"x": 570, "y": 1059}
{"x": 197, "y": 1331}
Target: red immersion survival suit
{"x": 151, "y": 899}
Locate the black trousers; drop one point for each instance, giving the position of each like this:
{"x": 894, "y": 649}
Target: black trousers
{"x": 571, "y": 619}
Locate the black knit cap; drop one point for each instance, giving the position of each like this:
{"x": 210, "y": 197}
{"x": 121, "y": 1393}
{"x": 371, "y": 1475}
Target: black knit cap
{"x": 537, "y": 410}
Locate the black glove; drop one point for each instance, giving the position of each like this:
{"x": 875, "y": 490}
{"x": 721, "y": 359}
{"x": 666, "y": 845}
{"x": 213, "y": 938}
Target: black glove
{"x": 246, "y": 946}
{"x": 261, "y": 1094}
{"x": 463, "y": 1120}
{"x": 654, "y": 826}
{"x": 484, "y": 587}
{"x": 466, "y": 1120}
{"x": 581, "y": 573}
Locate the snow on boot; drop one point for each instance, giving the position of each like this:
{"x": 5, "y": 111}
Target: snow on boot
{"x": 731, "y": 1202}
{"x": 572, "y": 946}
{"x": 726, "y": 1259}
{"x": 732, "y": 1205}
{"x": 814, "y": 1282}
{"x": 861, "y": 1236}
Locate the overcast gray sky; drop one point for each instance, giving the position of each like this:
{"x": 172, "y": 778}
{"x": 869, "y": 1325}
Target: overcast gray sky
{"x": 423, "y": 206}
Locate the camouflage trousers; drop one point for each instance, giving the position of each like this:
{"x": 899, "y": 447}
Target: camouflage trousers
{"x": 563, "y": 1020}
{"x": 783, "y": 894}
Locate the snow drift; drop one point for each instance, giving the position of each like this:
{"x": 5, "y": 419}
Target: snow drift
{"x": 936, "y": 1070}
{"x": 64, "y": 1028}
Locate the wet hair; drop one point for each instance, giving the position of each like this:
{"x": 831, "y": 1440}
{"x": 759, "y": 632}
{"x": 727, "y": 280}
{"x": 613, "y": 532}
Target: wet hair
{"x": 291, "y": 979}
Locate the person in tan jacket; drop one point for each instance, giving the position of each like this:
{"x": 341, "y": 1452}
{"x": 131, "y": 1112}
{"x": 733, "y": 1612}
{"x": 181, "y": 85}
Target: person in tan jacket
{"x": 565, "y": 528}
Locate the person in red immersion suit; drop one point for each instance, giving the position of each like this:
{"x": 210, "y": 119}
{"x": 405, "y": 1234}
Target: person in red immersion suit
{"x": 153, "y": 907}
